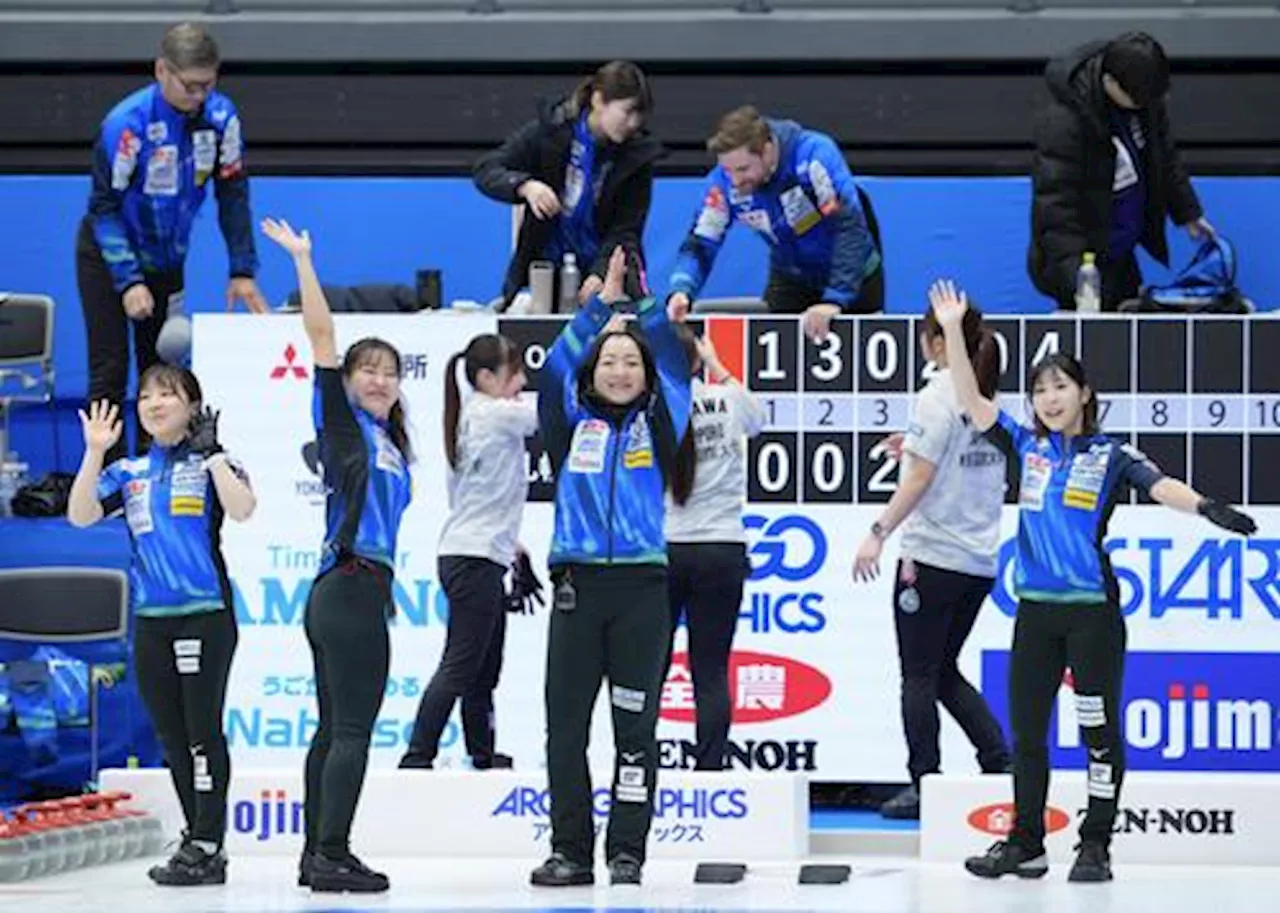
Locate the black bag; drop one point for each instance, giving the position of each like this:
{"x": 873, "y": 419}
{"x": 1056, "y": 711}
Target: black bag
{"x": 45, "y": 498}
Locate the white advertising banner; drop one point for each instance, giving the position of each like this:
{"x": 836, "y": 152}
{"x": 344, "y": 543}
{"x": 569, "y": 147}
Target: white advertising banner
{"x": 814, "y": 675}
{"x": 1164, "y": 818}
{"x": 697, "y": 815}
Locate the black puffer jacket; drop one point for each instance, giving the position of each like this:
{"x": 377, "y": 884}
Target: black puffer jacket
{"x": 540, "y": 150}
{"x": 1074, "y": 169}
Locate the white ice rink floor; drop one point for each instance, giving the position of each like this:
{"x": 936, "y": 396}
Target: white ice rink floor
{"x": 878, "y": 885}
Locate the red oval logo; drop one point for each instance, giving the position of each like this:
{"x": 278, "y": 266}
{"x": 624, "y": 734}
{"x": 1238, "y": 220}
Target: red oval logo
{"x": 997, "y": 819}
{"x": 761, "y": 687}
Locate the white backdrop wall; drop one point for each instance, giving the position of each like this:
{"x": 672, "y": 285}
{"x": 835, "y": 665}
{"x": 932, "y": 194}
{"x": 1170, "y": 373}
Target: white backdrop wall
{"x": 814, "y": 676}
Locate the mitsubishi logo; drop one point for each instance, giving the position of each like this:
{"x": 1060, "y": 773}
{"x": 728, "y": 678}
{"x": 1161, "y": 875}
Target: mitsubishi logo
{"x": 290, "y": 356}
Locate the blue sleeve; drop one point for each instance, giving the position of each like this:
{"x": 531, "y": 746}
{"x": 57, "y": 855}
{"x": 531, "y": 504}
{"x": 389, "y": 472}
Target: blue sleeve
{"x": 111, "y": 481}
{"x": 570, "y": 348}
{"x": 698, "y": 252}
{"x": 1137, "y": 469}
{"x": 672, "y": 363}
{"x": 231, "y": 186}
{"x": 1008, "y": 435}
{"x": 115, "y": 161}
{"x": 837, "y": 195}
{"x": 557, "y": 388}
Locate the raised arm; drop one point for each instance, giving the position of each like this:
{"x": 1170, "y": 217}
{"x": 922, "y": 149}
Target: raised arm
{"x": 949, "y": 306}
{"x": 102, "y": 428}
{"x": 316, "y": 317}
{"x": 747, "y": 406}
{"x": 230, "y": 480}
{"x": 674, "y": 378}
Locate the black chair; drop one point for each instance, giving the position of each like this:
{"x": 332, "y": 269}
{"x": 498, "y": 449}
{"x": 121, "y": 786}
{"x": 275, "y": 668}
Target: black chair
{"x": 83, "y": 611}
{"x": 26, "y": 356}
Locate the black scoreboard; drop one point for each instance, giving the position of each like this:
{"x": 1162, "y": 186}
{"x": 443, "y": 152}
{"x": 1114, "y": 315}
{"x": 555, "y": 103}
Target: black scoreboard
{"x": 1199, "y": 395}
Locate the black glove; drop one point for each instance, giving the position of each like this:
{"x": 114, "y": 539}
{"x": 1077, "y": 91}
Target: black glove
{"x": 202, "y": 433}
{"x": 525, "y": 587}
{"x": 1227, "y": 517}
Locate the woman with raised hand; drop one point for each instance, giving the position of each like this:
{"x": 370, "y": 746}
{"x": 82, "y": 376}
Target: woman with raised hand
{"x": 364, "y": 447}
{"x": 706, "y": 541}
{"x": 174, "y": 499}
{"x": 948, "y": 505}
{"x": 1072, "y": 476}
{"x": 613, "y": 408}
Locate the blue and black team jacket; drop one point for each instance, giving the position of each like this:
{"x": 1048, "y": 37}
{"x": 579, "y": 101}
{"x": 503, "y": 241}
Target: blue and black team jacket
{"x": 1065, "y": 499}
{"x": 175, "y": 526}
{"x": 809, "y": 213}
{"x": 366, "y": 475}
{"x": 611, "y": 471}
{"x": 152, "y": 165}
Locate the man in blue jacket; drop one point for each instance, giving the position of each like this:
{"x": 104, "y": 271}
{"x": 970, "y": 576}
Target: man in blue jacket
{"x": 793, "y": 187}
{"x": 155, "y": 155}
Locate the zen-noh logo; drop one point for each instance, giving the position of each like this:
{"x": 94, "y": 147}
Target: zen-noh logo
{"x": 997, "y": 819}
{"x": 761, "y": 687}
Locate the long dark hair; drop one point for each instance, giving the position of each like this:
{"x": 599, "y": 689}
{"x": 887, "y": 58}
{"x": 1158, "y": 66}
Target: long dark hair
{"x": 368, "y": 350}
{"x": 979, "y": 342}
{"x": 587, "y": 373}
{"x": 620, "y": 80}
{"x": 1061, "y": 361}
{"x": 488, "y": 351}
{"x": 686, "y": 468}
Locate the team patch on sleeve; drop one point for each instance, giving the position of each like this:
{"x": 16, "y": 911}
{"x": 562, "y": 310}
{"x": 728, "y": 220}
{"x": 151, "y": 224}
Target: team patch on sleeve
{"x": 823, "y": 188}
{"x": 713, "y": 218}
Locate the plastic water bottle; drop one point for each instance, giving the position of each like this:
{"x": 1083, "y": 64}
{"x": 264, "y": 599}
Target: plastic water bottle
{"x": 570, "y": 282}
{"x": 1088, "y": 285}
{"x": 13, "y": 475}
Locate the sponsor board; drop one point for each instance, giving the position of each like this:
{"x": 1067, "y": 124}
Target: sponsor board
{"x": 1184, "y": 585}
{"x": 500, "y": 813}
{"x": 1163, "y": 818}
{"x": 1179, "y": 711}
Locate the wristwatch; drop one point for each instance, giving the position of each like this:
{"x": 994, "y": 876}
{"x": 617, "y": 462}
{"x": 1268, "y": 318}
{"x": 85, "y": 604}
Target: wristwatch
{"x": 877, "y": 530}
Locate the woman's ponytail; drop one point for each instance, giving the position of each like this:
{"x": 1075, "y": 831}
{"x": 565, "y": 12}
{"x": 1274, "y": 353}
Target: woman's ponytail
{"x": 452, "y": 408}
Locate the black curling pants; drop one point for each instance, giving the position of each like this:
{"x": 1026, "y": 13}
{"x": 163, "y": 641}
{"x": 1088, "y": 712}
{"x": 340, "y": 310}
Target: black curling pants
{"x": 618, "y": 631}
{"x": 182, "y": 665}
{"x": 471, "y": 662}
{"x": 933, "y": 615}
{"x": 1047, "y": 638}
{"x": 706, "y": 580}
{"x": 346, "y": 625}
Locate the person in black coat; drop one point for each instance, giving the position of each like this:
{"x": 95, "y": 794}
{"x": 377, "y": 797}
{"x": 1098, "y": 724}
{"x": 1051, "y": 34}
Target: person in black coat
{"x": 584, "y": 167}
{"x": 1106, "y": 171}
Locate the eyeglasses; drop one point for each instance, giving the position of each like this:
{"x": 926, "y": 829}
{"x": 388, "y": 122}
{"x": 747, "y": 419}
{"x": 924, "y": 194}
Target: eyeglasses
{"x": 191, "y": 86}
